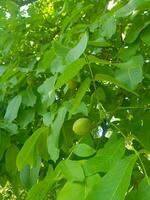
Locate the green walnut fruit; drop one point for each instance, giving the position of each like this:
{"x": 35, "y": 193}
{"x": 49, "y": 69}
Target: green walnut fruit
{"x": 82, "y": 126}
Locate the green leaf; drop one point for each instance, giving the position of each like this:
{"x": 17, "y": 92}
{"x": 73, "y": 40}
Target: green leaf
{"x": 26, "y": 117}
{"x": 108, "y": 26}
{"x": 60, "y": 49}
{"x": 105, "y": 158}
{"x": 70, "y": 72}
{"x": 47, "y": 92}
{"x": 91, "y": 181}
{"x": 42, "y": 146}
{"x": 72, "y": 171}
{"x": 10, "y": 159}
{"x": 40, "y": 190}
{"x": 145, "y": 35}
{"x": 83, "y": 150}
{"x": 80, "y": 94}
{"x": 13, "y": 108}
{"x": 28, "y": 155}
{"x": 29, "y": 176}
{"x": 78, "y": 50}
{"x": 115, "y": 183}
{"x": 99, "y": 42}
{"x": 131, "y": 195}
{"x": 128, "y": 8}
{"x": 72, "y": 191}
{"x": 11, "y": 128}
{"x": 107, "y": 78}
{"x": 45, "y": 62}
{"x": 4, "y": 143}
{"x": 138, "y": 24}
{"x": 143, "y": 191}
{"x": 130, "y": 73}
{"x": 28, "y": 97}
{"x": 142, "y": 126}
{"x": 94, "y": 59}
{"x": 48, "y": 118}
{"x": 77, "y": 190}
{"x": 57, "y": 65}
{"x": 53, "y": 139}
{"x": 127, "y": 52}
{"x": 2, "y": 69}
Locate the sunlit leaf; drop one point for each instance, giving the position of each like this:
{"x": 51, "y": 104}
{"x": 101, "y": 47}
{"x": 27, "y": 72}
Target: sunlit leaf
{"x": 105, "y": 158}
{"x": 73, "y": 171}
{"x": 116, "y": 182}
{"x": 80, "y": 94}
{"x": 83, "y": 150}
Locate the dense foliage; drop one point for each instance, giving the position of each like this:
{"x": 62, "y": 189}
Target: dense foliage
{"x": 62, "y": 60}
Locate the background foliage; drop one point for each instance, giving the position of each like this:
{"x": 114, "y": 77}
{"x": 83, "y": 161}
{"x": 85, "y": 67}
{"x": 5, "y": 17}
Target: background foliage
{"x": 61, "y": 60}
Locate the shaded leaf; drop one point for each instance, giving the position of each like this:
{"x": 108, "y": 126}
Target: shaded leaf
{"x": 29, "y": 176}
{"x": 26, "y": 117}
{"x": 145, "y": 35}
{"x": 48, "y": 118}
{"x": 53, "y": 138}
{"x": 40, "y": 190}
{"x": 28, "y": 97}
{"x": 46, "y": 90}
{"x": 127, "y": 52}
{"x": 99, "y": 42}
{"x": 42, "y": 146}
{"x": 11, "y": 128}
{"x": 78, "y": 50}
{"x": 70, "y": 72}
{"x": 45, "y": 62}
{"x": 107, "y": 78}
{"x": 4, "y": 143}
{"x": 60, "y": 49}
{"x": 141, "y": 192}
{"x": 13, "y": 108}
{"x": 108, "y": 26}
{"x": 10, "y": 158}
{"x": 138, "y": 24}
{"x": 130, "y": 72}
{"x": 28, "y": 155}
